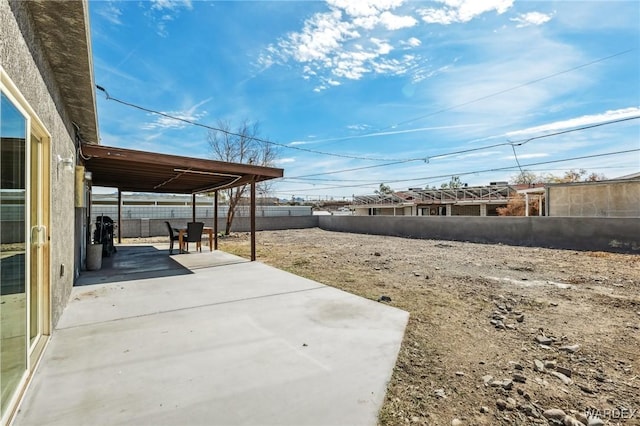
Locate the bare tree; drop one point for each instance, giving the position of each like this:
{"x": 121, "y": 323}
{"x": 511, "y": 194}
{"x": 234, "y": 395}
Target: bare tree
{"x": 526, "y": 177}
{"x": 453, "y": 183}
{"x": 573, "y": 175}
{"x": 242, "y": 145}
{"x": 595, "y": 177}
{"x": 517, "y": 207}
{"x": 384, "y": 190}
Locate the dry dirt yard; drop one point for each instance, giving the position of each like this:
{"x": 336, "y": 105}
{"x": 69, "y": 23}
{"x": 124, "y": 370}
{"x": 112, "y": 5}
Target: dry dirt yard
{"x": 498, "y": 335}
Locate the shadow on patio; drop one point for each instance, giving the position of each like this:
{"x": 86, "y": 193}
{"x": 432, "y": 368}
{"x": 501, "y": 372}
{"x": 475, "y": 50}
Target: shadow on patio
{"x": 217, "y": 340}
{"x": 137, "y": 262}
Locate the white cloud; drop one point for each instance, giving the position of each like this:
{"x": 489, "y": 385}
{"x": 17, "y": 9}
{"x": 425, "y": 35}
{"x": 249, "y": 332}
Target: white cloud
{"x": 584, "y": 120}
{"x": 171, "y": 4}
{"x": 462, "y": 10}
{"x": 358, "y": 127}
{"x": 364, "y": 7}
{"x": 345, "y": 43}
{"x": 527, "y": 156}
{"x": 162, "y": 12}
{"x": 394, "y": 22}
{"x": 285, "y": 160}
{"x": 110, "y": 12}
{"x": 165, "y": 122}
{"x": 413, "y": 42}
{"x": 532, "y": 18}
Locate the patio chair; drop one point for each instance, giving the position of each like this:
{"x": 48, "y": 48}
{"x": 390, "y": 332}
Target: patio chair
{"x": 194, "y": 235}
{"x": 173, "y": 236}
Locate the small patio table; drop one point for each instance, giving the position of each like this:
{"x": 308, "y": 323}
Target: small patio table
{"x": 206, "y": 230}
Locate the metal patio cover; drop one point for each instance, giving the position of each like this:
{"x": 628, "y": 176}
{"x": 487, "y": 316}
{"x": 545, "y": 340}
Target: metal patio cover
{"x": 143, "y": 171}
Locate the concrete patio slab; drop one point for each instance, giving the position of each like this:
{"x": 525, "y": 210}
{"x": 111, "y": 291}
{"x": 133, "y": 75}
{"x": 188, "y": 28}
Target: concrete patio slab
{"x": 239, "y": 343}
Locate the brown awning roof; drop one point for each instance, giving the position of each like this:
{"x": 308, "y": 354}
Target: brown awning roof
{"x": 141, "y": 171}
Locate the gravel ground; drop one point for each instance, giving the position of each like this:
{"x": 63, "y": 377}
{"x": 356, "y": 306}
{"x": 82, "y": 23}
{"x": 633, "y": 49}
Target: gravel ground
{"x": 498, "y": 335}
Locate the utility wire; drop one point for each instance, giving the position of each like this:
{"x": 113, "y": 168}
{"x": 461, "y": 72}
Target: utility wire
{"x": 448, "y": 154}
{"x": 390, "y": 161}
{"x": 448, "y": 175}
{"x": 528, "y": 83}
{"x": 217, "y": 129}
{"x": 516, "y": 157}
{"x": 590, "y": 126}
{"x": 425, "y": 159}
{"x": 320, "y": 196}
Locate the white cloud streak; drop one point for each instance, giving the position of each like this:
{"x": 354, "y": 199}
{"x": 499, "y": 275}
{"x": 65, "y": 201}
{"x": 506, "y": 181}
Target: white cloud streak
{"x": 531, "y": 18}
{"x": 110, "y": 12}
{"x": 377, "y": 134}
{"x": 162, "y": 12}
{"x": 584, "y": 120}
{"x": 190, "y": 114}
{"x": 171, "y": 4}
{"x": 460, "y": 11}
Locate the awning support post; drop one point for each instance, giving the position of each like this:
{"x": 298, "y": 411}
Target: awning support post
{"x": 193, "y": 207}
{"x": 119, "y": 216}
{"x": 215, "y": 221}
{"x": 253, "y": 219}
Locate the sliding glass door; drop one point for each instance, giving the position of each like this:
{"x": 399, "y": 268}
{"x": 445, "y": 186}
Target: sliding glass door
{"x": 13, "y": 234}
{"x": 24, "y": 247}
{"x": 39, "y": 244}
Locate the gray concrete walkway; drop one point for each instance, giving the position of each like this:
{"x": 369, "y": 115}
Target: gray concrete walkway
{"x": 236, "y": 343}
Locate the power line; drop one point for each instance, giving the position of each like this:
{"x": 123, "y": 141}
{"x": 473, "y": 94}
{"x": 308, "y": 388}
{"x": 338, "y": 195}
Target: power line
{"x": 436, "y": 179}
{"x": 497, "y": 169}
{"x": 590, "y": 126}
{"x": 354, "y": 157}
{"x": 227, "y": 132}
{"x": 308, "y": 180}
{"x": 528, "y": 83}
{"x": 464, "y": 151}
{"x": 516, "y": 157}
{"x": 440, "y": 111}
{"x": 348, "y": 170}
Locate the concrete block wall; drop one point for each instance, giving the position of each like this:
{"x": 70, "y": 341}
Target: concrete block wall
{"x": 595, "y": 199}
{"x": 134, "y": 228}
{"x": 575, "y": 233}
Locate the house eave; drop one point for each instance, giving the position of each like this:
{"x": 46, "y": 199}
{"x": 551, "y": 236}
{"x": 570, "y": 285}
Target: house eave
{"x": 63, "y": 30}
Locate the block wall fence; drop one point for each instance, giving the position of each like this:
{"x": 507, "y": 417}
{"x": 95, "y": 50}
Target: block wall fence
{"x": 574, "y": 233}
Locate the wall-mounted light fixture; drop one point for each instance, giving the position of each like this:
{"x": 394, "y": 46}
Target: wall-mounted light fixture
{"x": 67, "y": 164}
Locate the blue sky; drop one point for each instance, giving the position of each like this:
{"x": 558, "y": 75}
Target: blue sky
{"x": 344, "y": 85}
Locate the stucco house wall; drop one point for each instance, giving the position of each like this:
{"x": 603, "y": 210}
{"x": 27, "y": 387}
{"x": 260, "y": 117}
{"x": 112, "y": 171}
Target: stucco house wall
{"x": 23, "y": 59}
{"x": 615, "y": 198}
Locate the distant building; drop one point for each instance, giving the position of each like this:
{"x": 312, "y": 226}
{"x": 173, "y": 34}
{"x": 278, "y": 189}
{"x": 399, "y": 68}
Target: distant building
{"x": 608, "y": 198}
{"x": 463, "y": 201}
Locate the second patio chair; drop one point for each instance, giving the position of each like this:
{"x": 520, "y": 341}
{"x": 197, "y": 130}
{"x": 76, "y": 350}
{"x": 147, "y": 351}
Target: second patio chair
{"x": 173, "y": 236}
{"x": 194, "y": 235}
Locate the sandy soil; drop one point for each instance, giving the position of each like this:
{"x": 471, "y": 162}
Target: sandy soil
{"x": 482, "y": 317}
